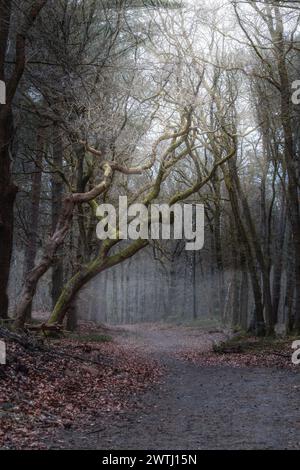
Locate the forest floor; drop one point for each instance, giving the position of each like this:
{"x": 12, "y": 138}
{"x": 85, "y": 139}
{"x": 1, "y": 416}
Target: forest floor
{"x": 152, "y": 387}
{"x": 247, "y": 397}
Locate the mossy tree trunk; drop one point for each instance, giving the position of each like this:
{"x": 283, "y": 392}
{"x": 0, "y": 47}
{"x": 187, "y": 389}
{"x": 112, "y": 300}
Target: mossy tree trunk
{"x": 54, "y": 242}
{"x": 88, "y": 272}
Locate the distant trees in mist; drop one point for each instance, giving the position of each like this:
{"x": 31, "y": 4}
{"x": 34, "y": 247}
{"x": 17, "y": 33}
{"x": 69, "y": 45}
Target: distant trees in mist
{"x": 162, "y": 103}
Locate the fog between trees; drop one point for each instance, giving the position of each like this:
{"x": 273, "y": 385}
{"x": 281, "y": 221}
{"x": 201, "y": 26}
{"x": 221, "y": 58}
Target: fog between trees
{"x": 162, "y": 102}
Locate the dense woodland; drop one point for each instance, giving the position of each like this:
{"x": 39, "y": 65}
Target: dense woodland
{"x": 160, "y": 101}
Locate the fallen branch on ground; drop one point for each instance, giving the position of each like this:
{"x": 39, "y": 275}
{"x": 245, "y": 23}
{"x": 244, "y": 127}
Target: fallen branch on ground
{"x": 55, "y": 327}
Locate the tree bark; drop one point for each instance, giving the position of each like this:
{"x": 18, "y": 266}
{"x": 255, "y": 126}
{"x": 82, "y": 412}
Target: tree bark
{"x": 54, "y": 242}
{"x": 31, "y": 249}
{"x": 57, "y": 279}
{"x": 259, "y": 325}
{"x": 8, "y": 189}
{"x": 88, "y": 272}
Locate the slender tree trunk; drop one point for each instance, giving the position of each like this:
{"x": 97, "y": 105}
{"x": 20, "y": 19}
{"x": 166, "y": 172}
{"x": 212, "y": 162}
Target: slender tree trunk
{"x": 258, "y": 315}
{"x": 244, "y": 294}
{"x": 218, "y": 244}
{"x": 8, "y": 192}
{"x": 235, "y": 289}
{"x": 254, "y": 242}
{"x": 31, "y": 249}
{"x": 289, "y": 312}
{"x": 8, "y": 189}
{"x": 289, "y": 155}
{"x": 82, "y": 251}
{"x": 57, "y": 275}
{"x": 72, "y": 318}
{"x": 277, "y": 271}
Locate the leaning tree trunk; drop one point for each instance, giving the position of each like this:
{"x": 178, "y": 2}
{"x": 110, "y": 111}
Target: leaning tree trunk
{"x": 48, "y": 257}
{"x": 54, "y": 242}
{"x": 88, "y": 272}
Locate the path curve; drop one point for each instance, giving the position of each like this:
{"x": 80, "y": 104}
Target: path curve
{"x": 196, "y": 407}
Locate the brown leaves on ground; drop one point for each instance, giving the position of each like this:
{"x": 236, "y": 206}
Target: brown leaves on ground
{"x": 245, "y": 352}
{"x": 42, "y": 389}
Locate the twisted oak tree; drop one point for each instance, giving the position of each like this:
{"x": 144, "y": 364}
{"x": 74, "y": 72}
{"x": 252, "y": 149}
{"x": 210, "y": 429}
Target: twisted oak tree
{"x": 55, "y": 241}
{"x": 104, "y": 260}
{"x": 65, "y": 219}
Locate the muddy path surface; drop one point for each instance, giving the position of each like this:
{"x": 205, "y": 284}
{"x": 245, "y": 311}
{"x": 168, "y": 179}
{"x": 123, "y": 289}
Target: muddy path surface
{"x": 197, "y": 407}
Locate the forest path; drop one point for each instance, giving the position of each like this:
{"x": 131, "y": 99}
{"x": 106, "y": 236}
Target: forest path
{"x": 198, "y": 407}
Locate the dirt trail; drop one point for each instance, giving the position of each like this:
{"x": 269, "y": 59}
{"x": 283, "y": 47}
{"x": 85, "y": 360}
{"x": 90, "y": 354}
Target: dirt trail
{"x": 198, "y": 407}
